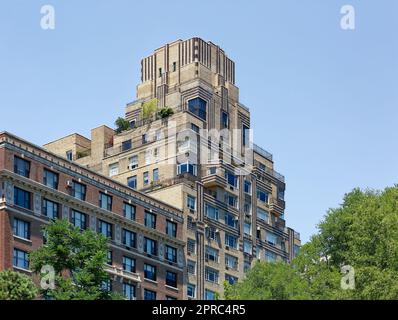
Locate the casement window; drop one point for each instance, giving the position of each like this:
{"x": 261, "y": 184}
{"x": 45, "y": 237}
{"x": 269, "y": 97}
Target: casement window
{"x": 129, "y": 238}
{"x": 150, "y": 220}
{"x": 105, "y": 201}
{"x": 50, "y": 179}
{"x": 128, "y": 264}
{"x": 262, "y": 196}
{"x": 113, "y": 169}
{"x": 211, "y": 275}
{"x": 21, "y": 229}
{"x": 231, "y": 261}
{"x": 231, "y": 241}
{"x": 191, "y": 202}
{"x": 262, "y": 215}
{"x": 79, "y": 219}
{"x": 22, "y": 198}
{"x": 129, "y": 211}
{"x": 21, "y": 167}
{"x": 171, "y": 229}
{"x": 79, "y": 190}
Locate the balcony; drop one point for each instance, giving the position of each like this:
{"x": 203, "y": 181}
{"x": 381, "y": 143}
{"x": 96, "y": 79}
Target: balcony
{"x": 277, "y": 206}
{"x": 270, "y": 172}
{"x": 214, "y": 178}
{"x": 119, "y": 272}
{"x": 262, "y": 152}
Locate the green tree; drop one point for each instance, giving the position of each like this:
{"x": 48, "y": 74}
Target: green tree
{"x": 121, "y": 125}
{"x": 16, "y": 286}
{"x": 269, "y": 281}
{"x": 149, "y": 108}
{"x": 78, "y": 259}
{"x": 361, "y": 233}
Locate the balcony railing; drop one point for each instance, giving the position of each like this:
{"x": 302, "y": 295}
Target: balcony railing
{"x": 262, "y": 152}
{"x": 123, "y": 273}
{"x": 272, "y": 173}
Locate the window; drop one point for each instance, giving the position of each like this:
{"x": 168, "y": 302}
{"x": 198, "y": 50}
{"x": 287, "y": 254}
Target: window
{"x": 248, "y": 187}
{"x": 230, "y": 220}
{"x": 158, "y": 135}
{"x": 129, "y": 291}
{"x": 262, "y": 196}
{"x": 113, "y": 169}
{"x": 79, "y": 219}
{"x": 231, "y": 261}
{"x": 155, "y": 175}
{"x": 271, "y": 238}
{"x": 150, "y": 220}
{"x": 105, "y": 201}
{"x": 211, "y": 212}
{"x": 133, "y": 162}
{"x": 129, "y": 211}
{"x": 132, "y": 124}
{"x": 132, "y": 182}
{"x": 232, "y": 180}
{"x": 171, "y": 254}
{"x": 281, "y": 193}
{"x": 191, "y": 290}
{"x": 171, "y": 279}
{"x": 22, "y": 198}
{"x": 190, "y": 223}
{"x": 230, "y": 240}
{"x": 210, "y": 295}
{"x": 231, "y": 279}
{"x": 149, "y": 294}
{"x": 160, "y": 72}
{"x": 296, "y": 249}
{"x": 129, "y": 238}
{"x": 197, "y": 106}
{"x": 21, "y": 229}
{"x": 246, "y": 266}
{"x": 149, "y": 272}
{"x": 126, "y": 145}
{"x": 247, "y": 208}
{"x": 174, "y": 66}
{"x": 231, "y": 199}
{"x": 187, "y": 167}
{"x": 191, "y": 267}
{"x": 262, "y": 214}
{"x": 50, "y": 209}
{"x": 247, "y": 228}
{"x": 171, "y": 228}
{"x": 109, "y": 257}
{"x": 50, "y": 179}
{"x": 211, "y": 275}
{"x": 194, "y": 128}
{"x": 69, "y": 155}
{"x": 150, "y": 246}
{"x": 21, "y": 167}
{"x": 144, "y": 138}
{"x": 224, "y": 120}
{"x": 247, "y": 247}
{"x": 211, "y": 233}
{"x": 211, "y": 254}
{"x": 145, "y": 176}
{"x": 106, "y": 285}
{"x": 128, "y": 264}
{"x": 170, "y": 298}
{"x": 270, "y": 256}
{"x": 245, "y": 135}
{"x": 191, "y": 246}
{"x": 79, "y": 190}
{"x": 191, "y": 202}
{"x": 21, "y": 259}
{"x": 105, "y": 228}
{"x": 258, "y": 252}
{"x": 148, "y": 156}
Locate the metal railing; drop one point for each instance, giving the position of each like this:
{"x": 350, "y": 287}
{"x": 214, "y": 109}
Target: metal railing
{"x": 262, "y": 152}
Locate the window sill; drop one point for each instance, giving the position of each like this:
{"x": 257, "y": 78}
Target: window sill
{"x": 23, "y": 239}
{"x": 171, "y": 288}
{"x": 22, "y": 269}
{"x": 151, "y": 281}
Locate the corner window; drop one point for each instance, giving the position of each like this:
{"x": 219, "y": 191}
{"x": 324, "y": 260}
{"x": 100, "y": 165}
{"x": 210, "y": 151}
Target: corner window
{"x": 197, "y": 106}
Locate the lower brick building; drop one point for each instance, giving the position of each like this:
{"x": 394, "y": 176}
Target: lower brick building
{"x": 146, "y": 255}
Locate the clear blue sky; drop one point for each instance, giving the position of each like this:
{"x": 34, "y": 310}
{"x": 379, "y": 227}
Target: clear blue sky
{"x": 324, "y": 101}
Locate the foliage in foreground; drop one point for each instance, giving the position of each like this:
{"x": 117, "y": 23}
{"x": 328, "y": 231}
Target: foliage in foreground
{"x": 78, "y": 259}
{"x": 16, "y": 286}
{"x": 361, "y": 233}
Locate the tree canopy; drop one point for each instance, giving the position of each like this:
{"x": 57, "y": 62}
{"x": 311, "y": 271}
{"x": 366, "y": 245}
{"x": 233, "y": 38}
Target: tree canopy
{"x": 361, "y": 233}
{"x": 16, "y": 286}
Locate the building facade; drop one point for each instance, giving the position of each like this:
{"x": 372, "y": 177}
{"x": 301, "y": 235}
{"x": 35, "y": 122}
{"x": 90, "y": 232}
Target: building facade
{"x": 146, "y": 251}
{"x": 189, "y": 144}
